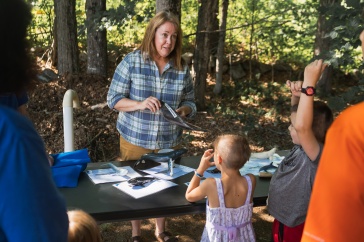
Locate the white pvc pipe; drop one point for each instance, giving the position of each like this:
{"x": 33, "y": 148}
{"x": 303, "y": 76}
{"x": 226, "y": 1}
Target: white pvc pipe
{"x": 70, "y": 101}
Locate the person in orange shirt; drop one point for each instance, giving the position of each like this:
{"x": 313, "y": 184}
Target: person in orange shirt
{"x": 336, "y": 208}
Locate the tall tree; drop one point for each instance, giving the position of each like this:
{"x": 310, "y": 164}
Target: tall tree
{"x": 202, "y": 50}
{"x": 323, "y": 44}
{"x": 221, "y": 47}
{"x": 66, "y": 27}
{"x": 214, "y": 35}
{"x": 96, "y": 38}
{"x": 171, "y": 5}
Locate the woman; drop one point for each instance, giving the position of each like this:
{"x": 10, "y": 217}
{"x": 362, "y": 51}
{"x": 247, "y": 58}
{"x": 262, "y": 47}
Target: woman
{"x": 153, "y": 73}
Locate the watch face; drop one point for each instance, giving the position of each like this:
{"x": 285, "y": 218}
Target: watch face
{"x": 310, "y": 91}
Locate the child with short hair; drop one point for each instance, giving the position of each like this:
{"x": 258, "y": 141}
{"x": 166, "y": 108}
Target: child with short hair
{"x": 82, "y": 227}
{"x": 229, "y": 199}
{"x": 291, "y": 184}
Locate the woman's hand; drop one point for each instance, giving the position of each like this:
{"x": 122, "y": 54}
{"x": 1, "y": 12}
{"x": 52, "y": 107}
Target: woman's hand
{"x": 183, "y": 111}
{"x": 151, "y": 103}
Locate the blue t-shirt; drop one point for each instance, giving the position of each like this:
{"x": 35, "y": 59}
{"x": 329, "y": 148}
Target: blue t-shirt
{"x": 31, "y": 207}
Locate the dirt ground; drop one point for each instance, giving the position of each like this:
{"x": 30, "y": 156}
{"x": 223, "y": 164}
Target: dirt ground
{"x": 188, "y": 228}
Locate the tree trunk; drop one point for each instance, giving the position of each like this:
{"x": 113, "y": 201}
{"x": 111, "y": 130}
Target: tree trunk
{"x": 214, "y": 35}
{"x": 170, "y": 5}
{"x": 202, "y": 51}
{"x": 96, "y": 38}
{"x": 251, "y": 44}
{"x": 221, "y": 47}
{"x": 54, "y": 44}
{"x": 66, "y": 37}
{"x": 322, "y": 46}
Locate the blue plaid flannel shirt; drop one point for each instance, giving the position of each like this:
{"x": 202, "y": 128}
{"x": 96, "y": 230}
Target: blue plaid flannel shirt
{"x": 138, "y": 79}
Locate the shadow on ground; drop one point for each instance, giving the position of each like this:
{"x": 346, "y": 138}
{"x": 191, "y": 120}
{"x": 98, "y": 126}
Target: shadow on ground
{"x": 188, "y": 228}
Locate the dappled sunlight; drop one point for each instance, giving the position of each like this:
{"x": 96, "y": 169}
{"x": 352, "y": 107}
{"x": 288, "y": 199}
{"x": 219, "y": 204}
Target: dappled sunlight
{"x": 262, "y": 223}
{"x": 121, "y": 231}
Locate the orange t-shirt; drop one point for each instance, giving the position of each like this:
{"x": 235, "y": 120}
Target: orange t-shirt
{"x": 336, "y": 209}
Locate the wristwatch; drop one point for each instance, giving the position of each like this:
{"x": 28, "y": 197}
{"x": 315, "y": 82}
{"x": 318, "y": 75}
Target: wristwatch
{"x": 309, "y": 90}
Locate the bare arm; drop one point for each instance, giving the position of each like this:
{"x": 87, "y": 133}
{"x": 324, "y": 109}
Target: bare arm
{"x": 304, "y": 117}
{"x": 195, "y": 191}
{"x": 295, "y": 88}
{"x": 128, "y": 105}
{"x": 361, "y": 37}
{"x": 253, "y": 179}
{"x": 23, "y": 110}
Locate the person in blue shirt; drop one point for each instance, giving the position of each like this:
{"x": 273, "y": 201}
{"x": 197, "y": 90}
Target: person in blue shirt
{"x": 31, "y": 207}
{"x": 17, "y": 102}
{"x": 152, "y": 74}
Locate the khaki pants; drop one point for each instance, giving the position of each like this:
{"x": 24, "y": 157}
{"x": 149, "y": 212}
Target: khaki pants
{"x": 129, "y": 151}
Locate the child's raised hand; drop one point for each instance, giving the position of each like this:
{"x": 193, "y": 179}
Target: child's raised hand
{"x": 205, "y": 162}
{"x": 313, "y": 72}
{"x": 295, "y": 87}
{"x": 361, "y": 36}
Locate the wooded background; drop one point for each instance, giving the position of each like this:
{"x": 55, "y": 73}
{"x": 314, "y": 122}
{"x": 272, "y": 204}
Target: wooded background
{"x": 217, "y": 34}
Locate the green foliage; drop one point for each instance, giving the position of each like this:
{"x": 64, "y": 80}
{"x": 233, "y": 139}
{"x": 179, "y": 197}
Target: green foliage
{"x": 265, "y": 30}
{"x": 127, "y": 20}
{"x": 265, "y": 100}
{"x": 345, "y": 22}
{"x": 41, "y": 29}
{"x": 273, "y": 30}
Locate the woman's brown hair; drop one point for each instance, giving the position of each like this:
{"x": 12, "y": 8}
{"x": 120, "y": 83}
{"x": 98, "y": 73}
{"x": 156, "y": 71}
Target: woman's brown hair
{"x": 148, "y": 48}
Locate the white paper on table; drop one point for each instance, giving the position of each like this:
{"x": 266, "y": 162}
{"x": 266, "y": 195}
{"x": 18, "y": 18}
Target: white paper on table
{"x": 254, "y": 164}
{"x": 109, "y": 175}
{"x": 162, "y": 172}
{"x": 142, "y": 191}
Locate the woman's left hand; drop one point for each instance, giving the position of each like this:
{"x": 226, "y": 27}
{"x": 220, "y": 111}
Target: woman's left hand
{"x": 184, "y": 111}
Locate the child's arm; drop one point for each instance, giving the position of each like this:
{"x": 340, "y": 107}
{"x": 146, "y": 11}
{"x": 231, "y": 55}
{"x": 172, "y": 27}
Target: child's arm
{"x": 195, "y": 191}
{"x": 295, "y": 88}
{"x": 361, "y": 37}
{"x": 253, "y": 179}
{"x": 304, "y": 117}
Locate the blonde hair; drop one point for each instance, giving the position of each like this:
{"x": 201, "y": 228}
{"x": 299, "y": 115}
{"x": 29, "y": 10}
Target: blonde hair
{"x": 82, "y": 227}
{"x": 233, "y": 149}
{"x": 148, "y": 48}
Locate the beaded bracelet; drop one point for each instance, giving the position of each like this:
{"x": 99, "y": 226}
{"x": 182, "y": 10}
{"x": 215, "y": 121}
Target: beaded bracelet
{"x": 198, "y": 175}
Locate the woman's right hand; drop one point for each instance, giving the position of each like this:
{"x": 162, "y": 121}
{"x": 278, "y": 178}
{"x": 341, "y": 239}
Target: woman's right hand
{"x": 151, "y": 103}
